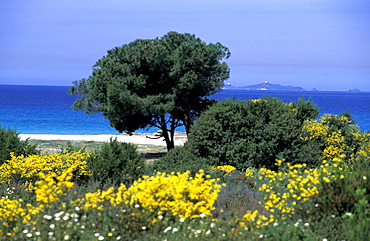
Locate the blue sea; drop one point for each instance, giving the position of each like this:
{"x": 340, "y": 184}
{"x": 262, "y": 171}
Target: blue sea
{"x": 46, "y": 109}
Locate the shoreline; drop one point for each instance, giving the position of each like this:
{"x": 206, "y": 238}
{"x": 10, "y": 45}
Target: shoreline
{"x": 141, "y": 139}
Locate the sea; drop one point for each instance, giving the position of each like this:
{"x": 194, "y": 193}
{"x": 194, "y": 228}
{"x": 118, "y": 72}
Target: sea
{"x": 33, "y": 109}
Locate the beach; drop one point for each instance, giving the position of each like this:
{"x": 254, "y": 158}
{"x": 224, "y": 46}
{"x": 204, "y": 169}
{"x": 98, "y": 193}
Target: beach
{"x": 141, "y": 139}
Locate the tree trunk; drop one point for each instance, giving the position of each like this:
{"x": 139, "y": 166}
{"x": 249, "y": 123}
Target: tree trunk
{"x": 169, "y": 139}
{"x": 188, "y": 122}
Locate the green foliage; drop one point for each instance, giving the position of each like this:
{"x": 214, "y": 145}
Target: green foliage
{"x": 251, "y": 133}
{"x": 160, "y": 82}
{"x": 71, "y": 223}
{"x": 341, "y": 196}
{"x": 11, "y": 142}
{"x": 116, "y": 162}
{"x": 306, "y": 110}
{"x": 340, "y": 211}
{"x": 336, "y": 136}
{"x": 180, "y": 160}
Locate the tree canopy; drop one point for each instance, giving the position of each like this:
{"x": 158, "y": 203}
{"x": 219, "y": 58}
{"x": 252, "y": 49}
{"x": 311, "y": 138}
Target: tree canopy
{"x": 162, "y": 82}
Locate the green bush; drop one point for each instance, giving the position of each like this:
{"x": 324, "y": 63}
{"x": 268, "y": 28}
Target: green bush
{"x": 11, "y": 142}
{"x": 252, "y": 133}
{"x": 340, "y": 209}
{"x": 340, "y": 196}
{"x": 180, "y": 159}
{"x": 116, "y": 162}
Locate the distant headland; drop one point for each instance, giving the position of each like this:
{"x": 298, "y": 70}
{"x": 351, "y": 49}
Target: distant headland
{"x": 271, "y": 87}
{"x": 265, "y": 86}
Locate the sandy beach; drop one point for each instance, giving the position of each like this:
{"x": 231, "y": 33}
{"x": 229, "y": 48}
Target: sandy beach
{"x": 143, "y": 139}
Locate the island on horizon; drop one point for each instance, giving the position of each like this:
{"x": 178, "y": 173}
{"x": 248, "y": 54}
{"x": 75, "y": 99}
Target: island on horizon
{"x": 265, "y": 86}
{"x": 271, "y": 87}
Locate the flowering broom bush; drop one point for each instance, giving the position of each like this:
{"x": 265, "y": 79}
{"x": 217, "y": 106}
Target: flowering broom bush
{"x": 26, "y": 169}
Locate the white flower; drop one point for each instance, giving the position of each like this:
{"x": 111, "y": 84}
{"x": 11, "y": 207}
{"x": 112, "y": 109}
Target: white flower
{"x": 137, "y": 205}
{"x": 25, "y": 231}
{"x": 50, "y": 233}
{"x": 364, "y": 177}
{"x": 261, "y": 236}
{"x": 160, "y": 216}
{"x": 175, "y": 230}
{"x": 29, "y": 235}
{"x": 47, "y": 217}
{"x": 77, "y": 209}
{"x": 348, "y": 214}
{"x": 37, "y": 233}
{"x": 101, "y": 238}
{"x": 143, "y": 227}
{"x": 324, "y": 239}
{"x": 306, "y": 224}
{"x": 167, "y": 229}
{"x": 66, "y": 237}
{"x": 52, "y": 225}
{"x": 208, "y": 232}
{"x": 296, "y": 224}
{"x": 198, "y": 231}
{"x": 118, "y": 238}
{"x": 65, "y": 217}
{"x": 276, "y": 224}
{"x": 212, "y": 224}
{"x": 182, "y": 219}
{"x": 316, "y": 205}
{"x": 203, "y": 215}
{"x": 96, "y": 234}
{"x": 59, "y": 214}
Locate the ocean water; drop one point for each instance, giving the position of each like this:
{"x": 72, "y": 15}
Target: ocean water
{"x": 46, "y": 109}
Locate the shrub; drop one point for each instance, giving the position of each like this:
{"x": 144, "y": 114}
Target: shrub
{"x": 116, "y": 162}
{"x": 341, "y": 195}
{"x": 251, "y": 133}
{"x": 336, "y": 137}
{"x": 25, "y": 170}
{"x": 10, "y": 142}
{"x": 180, "y": 159}
{"x": 340, "y": 209}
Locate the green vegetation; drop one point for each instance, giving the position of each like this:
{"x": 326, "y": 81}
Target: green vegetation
{"x": 116, "y": 162}
{"x": 251, "y": 170}
{"x": 180, "y": 160}
{"x": 10, "y": 142}
{"x": 252, "y": 133}
{"x": 160, "y": 82}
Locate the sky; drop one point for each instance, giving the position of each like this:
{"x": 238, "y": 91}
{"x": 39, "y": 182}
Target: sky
{"x": 322, "y": 44}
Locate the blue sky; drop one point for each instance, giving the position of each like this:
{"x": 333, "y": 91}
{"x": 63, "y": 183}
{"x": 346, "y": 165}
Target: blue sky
{"x": 319, "y": 44}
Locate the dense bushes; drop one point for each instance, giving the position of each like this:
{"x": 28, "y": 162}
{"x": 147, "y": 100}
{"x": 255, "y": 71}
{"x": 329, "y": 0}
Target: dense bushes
{"x": 252, "y": 133}
{"x": 10, "y": 142}
{"x": 180, "y": 159}
{"x": 116, "y": 161}
{"x": 42, "y": 196}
